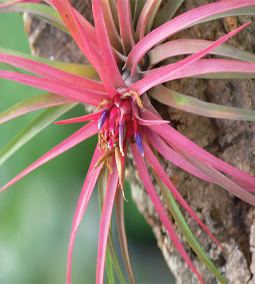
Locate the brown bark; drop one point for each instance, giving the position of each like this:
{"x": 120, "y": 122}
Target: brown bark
{"x": 231, "y": 220}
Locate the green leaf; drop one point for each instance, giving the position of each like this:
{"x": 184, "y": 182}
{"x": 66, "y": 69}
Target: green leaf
{"x": 33, "y": 128}
{"x": 182, "y": 224}
{"x": 102, "y": 183}
{"x": 167, "y": 12}
{"x": 193, "y": 105}
{"x": 109, "y": 266}
{"x": 40, "y": 10}
{"x": 32, "y": 104}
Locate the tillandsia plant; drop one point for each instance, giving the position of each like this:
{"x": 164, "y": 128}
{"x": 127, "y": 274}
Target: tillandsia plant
{"x": 127, "y": 51}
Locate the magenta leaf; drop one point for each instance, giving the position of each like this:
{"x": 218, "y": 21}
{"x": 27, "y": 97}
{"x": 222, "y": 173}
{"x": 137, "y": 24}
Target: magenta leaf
{"x": 189, "y": 46}
{"x": 84, "y": 118}
{"x": 77, "y": 94}
{"x": 112, "y": 186}
{"x": 105, "y": 46}
{"x": 52, "y": 73}
{"x": 165, "y": 73}
{"x": 140, "y": 164}
{"x": 124, "y": 12}
{"x": 159, "y": 170}
{"x": 79, "y": 136}
{"x": 85, "y": 194}
{"x": 183, "y": 21}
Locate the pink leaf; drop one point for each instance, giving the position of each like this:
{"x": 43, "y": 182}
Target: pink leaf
{"x": 165, "y": 73}
{"x": 159, "y": 170}
{"x": 79, "y": 136}
{"x": 68, "y": 15}
{"x": 181, "y": 22}
{"x": 92, "y": 116}
{"x": 86, "y": 192}
{"x": 172, "y": 136}
{"x": 52, "y": 73}
{"x": 124, "y": 12}
{"x": 77, "y": 94}
{"x": 105, "y": 46}
{"x": 140, "y": 164}
{"x": 112, "y": 186}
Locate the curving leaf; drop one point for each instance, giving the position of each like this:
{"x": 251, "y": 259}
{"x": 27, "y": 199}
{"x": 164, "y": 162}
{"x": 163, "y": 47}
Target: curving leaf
{"x": 32, "y": 104}
{"x": 33, "y": 128}
{"x": 189, "y": 46}
{"x": 193, "y": 105}
{"x": 66, "y": 90}
{"x": 102, "y": 184}
{"x": 110, "y": 64}
{"x": 181, "y": 22}
{"x": 126, "y": 31}
{"x": 166, "y": 73}
{"x": 82, "y": 134}
{"x": 182, "y": 224}
{"x": 42, "y": 11}
{"x": 112, "y": 185}
{"x": 167, "y": 12}
{"x": 82, "y": 70}
{"x": 141, "y": 166}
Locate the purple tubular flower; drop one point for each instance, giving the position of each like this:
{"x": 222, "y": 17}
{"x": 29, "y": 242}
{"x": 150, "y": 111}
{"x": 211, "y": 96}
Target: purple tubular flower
{"x": 102, "y": 118}
{"x": 121, "y": 134}
{"x": 139, "y": 143}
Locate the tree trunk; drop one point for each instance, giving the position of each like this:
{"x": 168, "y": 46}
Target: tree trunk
{"x": 231, "y": 220}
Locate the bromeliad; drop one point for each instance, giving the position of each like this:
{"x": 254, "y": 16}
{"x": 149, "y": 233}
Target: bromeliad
{"x": 125, "y": 62}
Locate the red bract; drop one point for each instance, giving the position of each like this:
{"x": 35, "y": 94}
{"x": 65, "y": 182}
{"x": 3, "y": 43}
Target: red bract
{"x": 126, "y": 118}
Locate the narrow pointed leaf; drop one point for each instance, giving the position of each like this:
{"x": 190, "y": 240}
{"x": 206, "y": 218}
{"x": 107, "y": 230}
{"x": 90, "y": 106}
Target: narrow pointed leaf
{"x": 52, "y": 73}
{"x": 182, "y": 224}
{"x": 172, "y": 136}
{"x": 105, "y": 221}
{"x": 189, "y": 46}
{"x": 112, "y": 32}
{"x": 193, "y": 105}
{"x": 143, "y": 18}
{"x": 86, "y": 71}
{"x": 124, "y": 12}
{"x": 159, "y": 170}
{"x": 102, "y": 184}
{"x": 77, "y": 94}
{"x": 105, "y": 46}
{"x": 220, "y": 179}
{"x": 159, "y": 207}
{"x": 84, "y": 197}
{"x": 33, "y": 128}
{"x": 84, "y": 42}
{"x": 167, "y": 12}
{"x": 183, "y": 21}
{"x": 92, "y": 116}
{"x": 32, "y": 104}
{"x": 211, "y": 69}
{"x": 119, "y": 203}
{"x": 165, "y": 73}
{"x": 79, "y": 136}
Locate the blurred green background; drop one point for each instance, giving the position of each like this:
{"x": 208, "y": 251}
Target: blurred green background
{"x": 36, "y": 213}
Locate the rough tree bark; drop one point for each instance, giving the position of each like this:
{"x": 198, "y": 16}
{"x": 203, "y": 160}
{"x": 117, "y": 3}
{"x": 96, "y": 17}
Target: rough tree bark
{"x": 231, "y": 220}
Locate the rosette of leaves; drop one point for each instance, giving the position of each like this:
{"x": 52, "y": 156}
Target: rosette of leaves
{"x": 134, "y": 52}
